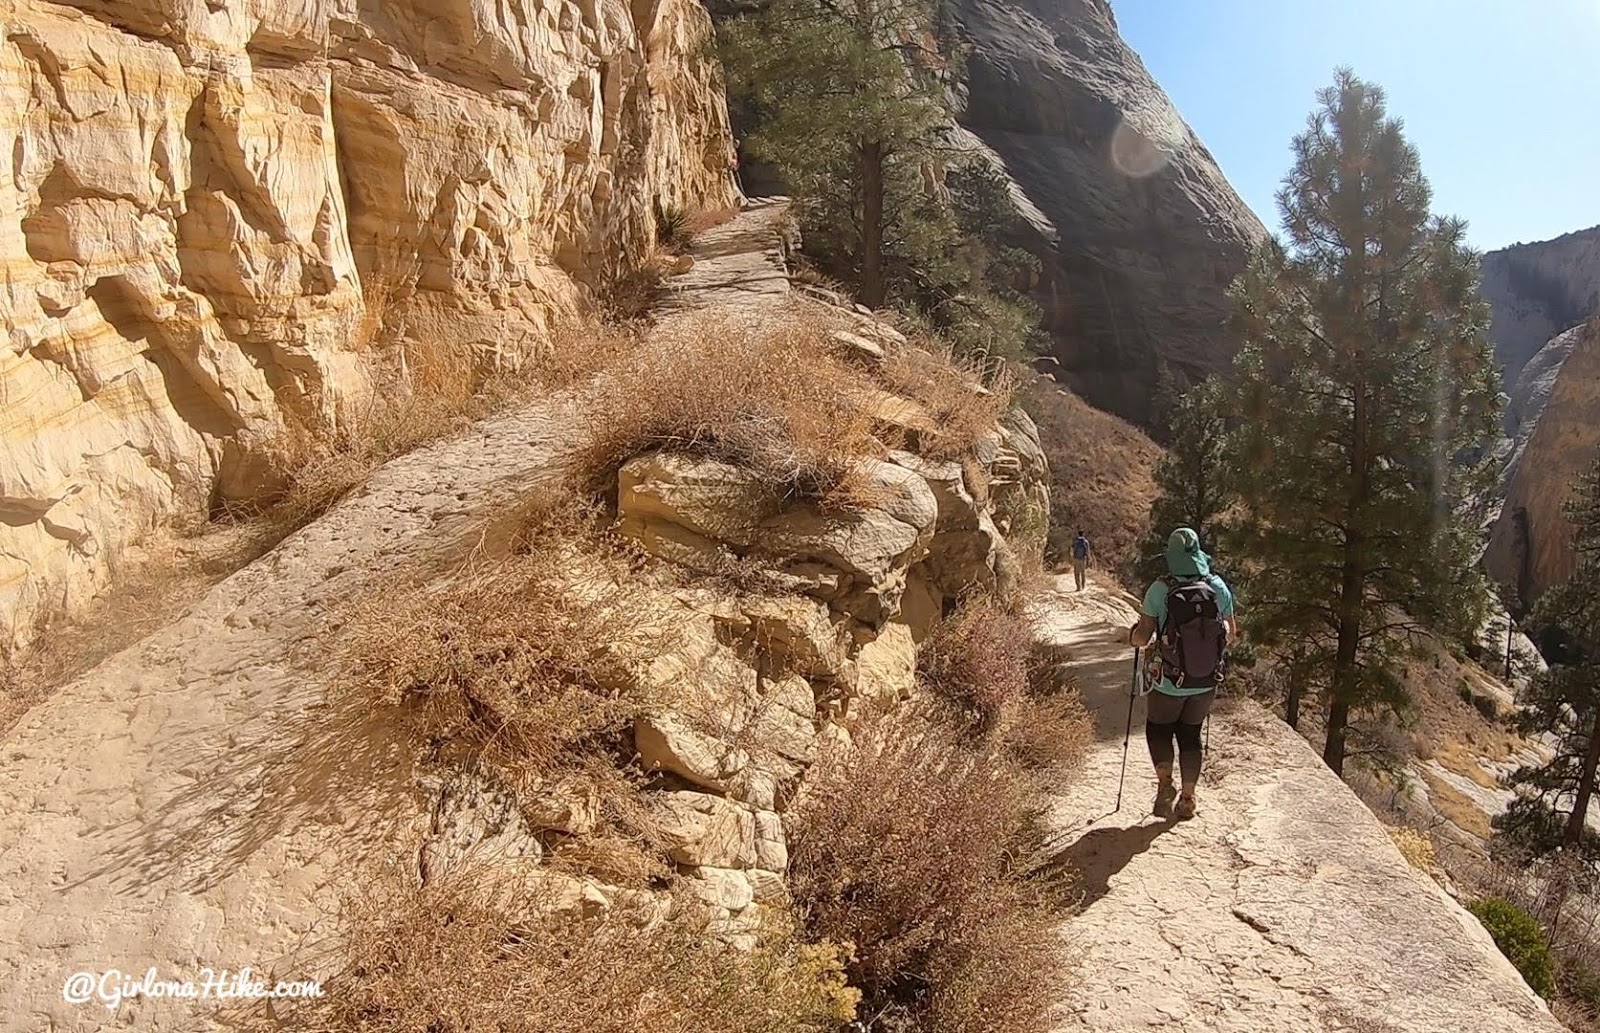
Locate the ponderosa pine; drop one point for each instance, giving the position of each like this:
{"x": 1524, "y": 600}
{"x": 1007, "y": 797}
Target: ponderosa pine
{"x": 1364, "y": 385}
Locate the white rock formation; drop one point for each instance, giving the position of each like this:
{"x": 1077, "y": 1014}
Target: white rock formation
{"x": 213, "y": 206}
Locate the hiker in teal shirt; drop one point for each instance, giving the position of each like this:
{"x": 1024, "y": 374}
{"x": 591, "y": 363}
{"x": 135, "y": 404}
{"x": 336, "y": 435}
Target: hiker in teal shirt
{"x": 1178, "y": 710}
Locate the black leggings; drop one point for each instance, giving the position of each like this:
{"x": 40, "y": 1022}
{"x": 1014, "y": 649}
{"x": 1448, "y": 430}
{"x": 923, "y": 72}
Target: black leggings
{"x": 1181, "y": 718}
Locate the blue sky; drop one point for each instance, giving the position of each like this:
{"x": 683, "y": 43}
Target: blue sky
{"x": 1501, "y": 97}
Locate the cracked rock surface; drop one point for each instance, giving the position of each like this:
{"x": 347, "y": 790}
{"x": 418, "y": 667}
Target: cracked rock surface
{"x": 1282, "y": 906}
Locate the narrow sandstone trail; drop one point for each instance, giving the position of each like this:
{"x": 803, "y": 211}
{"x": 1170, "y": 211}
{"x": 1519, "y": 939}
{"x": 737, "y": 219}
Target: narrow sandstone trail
{"x": 1283, "y": 905}
{"x": 191, "y": 802}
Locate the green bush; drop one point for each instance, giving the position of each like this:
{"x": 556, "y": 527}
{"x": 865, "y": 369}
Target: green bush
{"x": 1520, "y": 939}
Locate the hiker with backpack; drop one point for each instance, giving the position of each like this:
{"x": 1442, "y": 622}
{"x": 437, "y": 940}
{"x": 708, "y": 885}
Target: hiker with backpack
{"x": 1080, "y": 560}
{"x": 1190, "y": 613}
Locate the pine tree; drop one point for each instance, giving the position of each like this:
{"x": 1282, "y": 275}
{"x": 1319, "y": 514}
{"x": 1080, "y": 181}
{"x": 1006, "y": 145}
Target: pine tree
{"x": 1364, "y": 382}
{"x": 1194, "y": 491}
{"x": 848, "y": 103}
{"x": 1563, "y": 702}
{"x": 850, "y": 106}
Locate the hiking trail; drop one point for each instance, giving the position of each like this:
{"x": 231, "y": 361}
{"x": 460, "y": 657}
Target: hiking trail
{"x": 191, "y": 802}
{"x": 1283, "y": 905}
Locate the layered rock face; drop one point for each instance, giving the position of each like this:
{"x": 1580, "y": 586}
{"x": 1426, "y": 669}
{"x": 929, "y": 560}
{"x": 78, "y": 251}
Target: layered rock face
{"x": 1138, "y": 232}
{"x": 221, "y": 214}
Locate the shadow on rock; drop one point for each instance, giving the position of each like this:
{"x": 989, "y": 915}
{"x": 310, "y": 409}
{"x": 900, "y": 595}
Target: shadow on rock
{"x": 1100, "y": 854}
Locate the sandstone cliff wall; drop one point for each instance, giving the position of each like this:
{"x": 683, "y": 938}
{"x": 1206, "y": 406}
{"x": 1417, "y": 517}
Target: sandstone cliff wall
{"x": 1530, "y": 543}
{"x": 1138, "y": 231}
{"x": 214, "y": 207}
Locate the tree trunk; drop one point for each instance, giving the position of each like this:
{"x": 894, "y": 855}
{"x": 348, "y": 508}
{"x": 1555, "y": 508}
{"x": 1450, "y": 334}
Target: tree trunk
{"x": 1333, "y": 745}
{"x": 1580, "y": 807}
{"x": 1509, "y": 627}
{"x": 1291, "y": 706}
{"x": 870, "y": 161}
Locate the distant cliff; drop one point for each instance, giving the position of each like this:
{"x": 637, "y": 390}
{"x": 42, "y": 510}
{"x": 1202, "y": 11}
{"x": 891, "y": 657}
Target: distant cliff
{"x": 1530, "y": 543}
{"x": 1138, "y": 231}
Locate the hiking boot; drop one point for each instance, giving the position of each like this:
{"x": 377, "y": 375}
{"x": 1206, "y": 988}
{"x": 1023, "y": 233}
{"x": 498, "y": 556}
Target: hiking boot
{"x": 1184, "y": 809}
{"x": 1165, "y": 794}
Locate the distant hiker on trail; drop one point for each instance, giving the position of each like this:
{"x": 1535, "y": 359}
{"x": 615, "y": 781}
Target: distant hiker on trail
{"x": 1191, "y": 612}
{"x": 1080, "y": 559}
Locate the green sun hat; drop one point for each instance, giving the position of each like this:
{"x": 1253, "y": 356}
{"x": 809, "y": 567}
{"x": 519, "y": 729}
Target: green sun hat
{"x": 1184, "y": 555}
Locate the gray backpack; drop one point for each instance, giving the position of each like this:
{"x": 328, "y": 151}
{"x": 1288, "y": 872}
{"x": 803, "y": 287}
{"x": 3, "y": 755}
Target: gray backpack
{"x": 1194, "y": 642}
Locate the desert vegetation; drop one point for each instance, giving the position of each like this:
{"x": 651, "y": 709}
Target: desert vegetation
{"x": 783, "y": 397}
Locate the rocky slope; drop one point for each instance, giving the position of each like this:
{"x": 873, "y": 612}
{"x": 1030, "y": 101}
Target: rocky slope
{"x": 1138, "y": 232}
{"x": 204, "y": 796}
{"x": 219, "y": 215}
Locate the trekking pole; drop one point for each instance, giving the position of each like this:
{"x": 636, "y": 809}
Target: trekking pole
{"x": 1127, "y": 732}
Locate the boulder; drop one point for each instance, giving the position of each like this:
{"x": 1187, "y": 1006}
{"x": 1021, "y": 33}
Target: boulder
{"x": 856, "y": 346}
{"x": 569, "y": 807}
{"x": 886, "y": 665}
{"x": 702, "y": 830}
{"x": 725, "y": 888}
{"x": 870, "y": 543}
{"x": 712, "y": 501}
{"x": 800, "y": 632}
{"x": 668, "y": 741}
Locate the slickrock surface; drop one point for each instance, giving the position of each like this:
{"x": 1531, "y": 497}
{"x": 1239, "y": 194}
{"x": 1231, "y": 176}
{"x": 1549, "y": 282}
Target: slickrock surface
{"x": 213, "y": 207}
{"x": 1282, "y": 906}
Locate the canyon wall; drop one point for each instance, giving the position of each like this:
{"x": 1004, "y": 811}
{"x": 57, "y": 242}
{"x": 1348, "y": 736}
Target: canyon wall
{"x": 1138, "y": 232}
{"x": 222, "y": 214}
{"x": 1530, "y": 542}
{"x": 1544, "y": 298}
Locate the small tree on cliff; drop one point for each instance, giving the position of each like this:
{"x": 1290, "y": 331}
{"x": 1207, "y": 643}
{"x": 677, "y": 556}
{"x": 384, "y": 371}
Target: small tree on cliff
{"x": 849, "y": 109}
{"x": 1564, "y": 702}
{"x": 1364, "y": 381}
{"x": 1194, "y": 491}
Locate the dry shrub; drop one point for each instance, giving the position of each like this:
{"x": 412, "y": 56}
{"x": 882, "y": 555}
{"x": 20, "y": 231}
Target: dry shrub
{"x": 761, "y": 390}
{"x": 913, "y": 847}
{"x": 979, "y": 660}
{"x": 434, "y": 390}
{"x": 1048, "y": 736}
{"x": 964, "y": 396}
{"x": 472, "y": 955}
{"x": 1101, "y": 471}
{"x": 526, "y": 664}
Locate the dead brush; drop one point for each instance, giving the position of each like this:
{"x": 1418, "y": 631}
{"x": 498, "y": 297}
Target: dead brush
{"x": 529, "y": 664}
{"x": 432, "y": 391}
{"x": 979, "y": 659}
{"x": 963, "y": 396}
{"x": 981, "y": 663}
{"x": 481, "y": 952}
{"x": 917, "y": 847}
{"x": 764, "y": 392}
